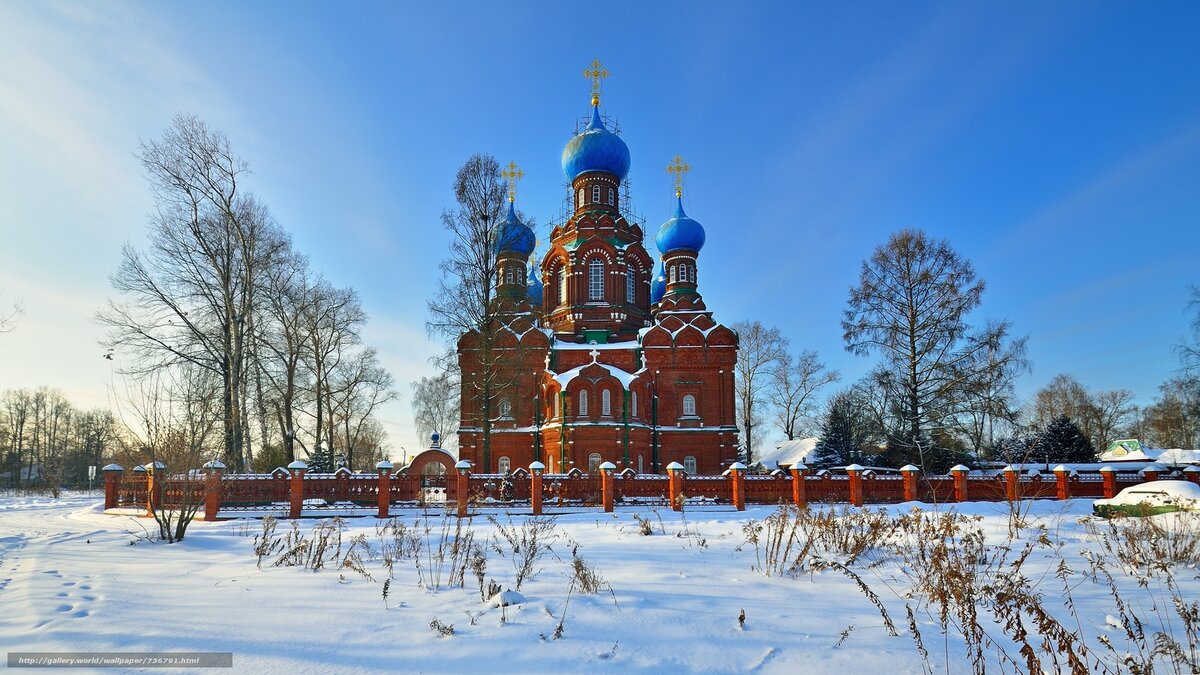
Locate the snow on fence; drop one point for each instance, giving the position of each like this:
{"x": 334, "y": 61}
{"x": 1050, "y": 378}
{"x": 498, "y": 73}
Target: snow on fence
{"x": 293, "y": 491}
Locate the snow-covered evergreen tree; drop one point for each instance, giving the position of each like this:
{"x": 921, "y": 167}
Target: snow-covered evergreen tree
{"x": 1062, "y": 441}
{"x": 843, "y": 434}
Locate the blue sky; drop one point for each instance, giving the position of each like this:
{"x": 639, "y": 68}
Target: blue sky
{"x": 1056, "y": 145}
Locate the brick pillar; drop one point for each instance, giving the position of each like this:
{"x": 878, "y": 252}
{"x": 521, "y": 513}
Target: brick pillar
{"x": 464, "y": 486}
{"x": 1010, "y": 483}
{"x": 1062, "y": 480}
{"x": 737, "y": 477}
{"x": 909, "y": 473}
{"x": 606, "y": 485}
{"x": 296, "y": 488}
{"x": 1110, "y": 481}
{"x": 385, "y": 487}
{"x": 675, "y": 485}
{"x": 1192, "y": 473}
{"x": 112, "y": 485}
{"x": 157, "y": 472}
{"x": 535, "y": 486}
{"x": 1151, "y": 472}
{"x": 960, "y": 482}
{"x": 212, "y": 488}
{"x": 854, "y": 471}
{"x": 799, "y": 494}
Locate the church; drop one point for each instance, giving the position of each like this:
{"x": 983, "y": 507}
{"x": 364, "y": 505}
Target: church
{"x": 598, "y": 354}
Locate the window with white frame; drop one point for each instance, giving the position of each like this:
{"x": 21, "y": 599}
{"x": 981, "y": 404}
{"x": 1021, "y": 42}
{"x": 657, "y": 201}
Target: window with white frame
{"x": 689, "y": 465}
{"x": 579, "y": 201}
{"x": 594, "y": 460}
{"x": 630, "y": 274}
{"x": 606, "y": 402}
{"x": 633, "y": 404}
{"x": 689, "y": 406}
{"x": 562, "y": 285}
{"x": 504, "y": 464}
{"x": 595, "y": 194}
{"x": 583, "y": 403}
{"x": 611, "y": 197}
{"x": 596, "y": 279}
{"x": 505, "y": 408}
{"x": 508, "y": 275}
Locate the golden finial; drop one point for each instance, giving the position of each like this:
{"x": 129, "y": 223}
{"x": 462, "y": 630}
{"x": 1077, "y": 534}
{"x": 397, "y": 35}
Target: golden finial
{"x": 512, "y": 174}
{"x": 596, "y": 74}
{"x": 678, "y": 168}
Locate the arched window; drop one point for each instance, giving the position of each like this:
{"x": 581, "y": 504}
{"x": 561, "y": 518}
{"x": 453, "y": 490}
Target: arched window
{"x": 583, "y": 403}
{"x": 630, "y": 273}
{"x": 504, "y": 465}
{"x": 689, "y": 406}
{"x": 689, "y": 465}
{"x": 562, "y": 285}
{"x": 557, "y": 408}
{"x": 611, "y": 198}
{"x": 633, "y": 404}
{"x": 505, "y": 408}
{"x": 595, "y": 194}
{"x": 594, "y": 460}
{"x": 508, "y": 275}
{"x": 596, "y": 279}
{"x": 606, "y": 402}
{"x": 641, "y": 464}
{"x": 672, "y": 274}
{"x": 579, "y": 202}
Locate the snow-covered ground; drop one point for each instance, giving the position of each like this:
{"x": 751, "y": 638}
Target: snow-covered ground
{"x": 70, "y": 580}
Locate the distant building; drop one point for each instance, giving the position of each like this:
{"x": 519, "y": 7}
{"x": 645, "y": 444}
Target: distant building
{"x": 1132, "y": 450}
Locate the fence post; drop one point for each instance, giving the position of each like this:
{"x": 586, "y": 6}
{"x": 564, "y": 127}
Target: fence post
{"x": 737, "y": 474}
{"x": 799, "y": 494}
{"x": 606, "y": 485}
{"x": 1062, "y": 479}
{"x": 1109, "y": 475}
{"x": 1150, "y": 473}
{"x": 464, "y": 486}
{"x": 1010, "y": 483}
{"x": 1192, "y": 473}
{"x": 535, "y": 486}
{"x": 854, "y": 471}
{"x": 385, "y": 487}
{"x": 296, "y": 488}
{"x": 212, "y": 488}
{"x": 960, "y": 482}
{"x": 675, "y": 485}
{"x": 112, "y": 485}
{"x": 157, "y": 472}
{"x": 909, "y": 473}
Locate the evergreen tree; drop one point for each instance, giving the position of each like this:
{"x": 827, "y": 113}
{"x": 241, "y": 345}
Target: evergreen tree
{"x": 843, "y": 434}
{"x": 1062, "y": 441}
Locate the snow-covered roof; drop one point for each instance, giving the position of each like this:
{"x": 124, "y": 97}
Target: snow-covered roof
{"x": 626, "y": 378}
{"x": 1118, "y": 453}
{"x": 795, "y": 451}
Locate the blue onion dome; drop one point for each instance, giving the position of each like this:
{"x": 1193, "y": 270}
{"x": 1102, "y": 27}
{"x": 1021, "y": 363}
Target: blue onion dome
{"x": 595, "y": 149}
{"x": 658, "y": 287}
{"x": 514, "y": 236}
{"x": 680, "y": 232}
{"x": 533, "y": 287}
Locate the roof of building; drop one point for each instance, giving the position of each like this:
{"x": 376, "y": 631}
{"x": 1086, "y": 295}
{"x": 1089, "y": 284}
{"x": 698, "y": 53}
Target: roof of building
{"x": 680, "y": 232}
{"x": 595, "y": 149}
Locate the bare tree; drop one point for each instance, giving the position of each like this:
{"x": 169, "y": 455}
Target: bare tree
{"x": 358, "y": 387}
{"x": 334, "y": 317}
{"x": 1173, "y": 421}
{"x": 190, "y": 298}
{"x": 793, "y": 387}
{"x": 988, "y": 396}
{"x": 435, "y": 405}
{"x": 8, "y": 318}
{"x": 1189, "y": 351}
{"x": 910, "y": 306}
{"x": 1102, "y": 416}
{"x": 285, "y": 336}
{"x": 759, "y": 351}
{"x": 463, "y": 307}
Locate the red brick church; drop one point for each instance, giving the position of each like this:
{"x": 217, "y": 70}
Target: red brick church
{"x": 605, "y": 358}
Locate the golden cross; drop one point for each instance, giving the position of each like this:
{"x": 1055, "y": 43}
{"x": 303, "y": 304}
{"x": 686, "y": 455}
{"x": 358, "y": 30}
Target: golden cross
{"x": 678, "y": 168}
{"x": 512, "y": 174}
{"x": 596, "y": 74}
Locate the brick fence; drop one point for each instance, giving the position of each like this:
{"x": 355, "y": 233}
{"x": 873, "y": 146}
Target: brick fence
{"x": 294, "y": 490}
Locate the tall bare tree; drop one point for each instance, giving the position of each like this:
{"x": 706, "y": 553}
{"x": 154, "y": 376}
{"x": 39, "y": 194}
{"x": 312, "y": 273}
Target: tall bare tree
{"x": 334, "y": 317}
{"x": 358, "y": 387}
{"x": 464, "y": 301}
{"x": 793, "y": 389}
{"x": 190, "y": 298}
{"x": 435, "y": 405}
{"x": 910, "y": 307}
{"x": 1102, "y": 416}
{"x": 759, "y": 351}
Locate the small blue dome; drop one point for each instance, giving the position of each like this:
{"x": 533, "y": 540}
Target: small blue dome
{"x": 515, "y": 236}
{"x": 658, "y": 287}
{"x": 680, "y": 232}
{"x": 533, "y": 289}
{"x": 596, "y": 149}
